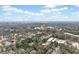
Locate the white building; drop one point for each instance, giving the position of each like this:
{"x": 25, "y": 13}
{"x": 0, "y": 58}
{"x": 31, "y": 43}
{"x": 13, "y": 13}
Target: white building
{"x": 71, "y": 34}
{"x": 50, "y": 39}
{"x": 59, "y": 41}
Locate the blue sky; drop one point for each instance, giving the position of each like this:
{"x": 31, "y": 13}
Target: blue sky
{"x": 39, "y": 13}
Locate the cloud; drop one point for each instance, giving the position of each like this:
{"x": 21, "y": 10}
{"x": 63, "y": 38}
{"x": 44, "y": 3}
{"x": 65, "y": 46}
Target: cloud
{"x": 60, "y": 9}
{"x": 7, "y": 13}
{"x": 10, "y": 9}
{"x": 47, "y": 13}
{"x": 49, "y": 6}
{"x": 26, "y": 15}
{"x": 77, "y": 6}
{"x": 53, "y": 9}
{"x": 75, "y": 15}
{"x": 64, "y": 8}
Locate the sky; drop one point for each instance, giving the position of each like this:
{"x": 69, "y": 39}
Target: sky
{"x": 39, "y": 13}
